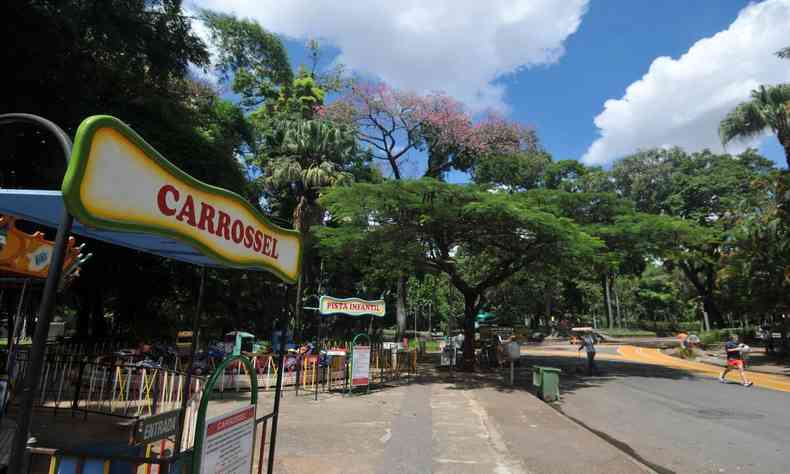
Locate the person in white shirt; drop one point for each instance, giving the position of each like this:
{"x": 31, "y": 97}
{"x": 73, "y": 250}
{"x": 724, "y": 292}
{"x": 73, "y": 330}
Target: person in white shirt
{"x": 588, "y": 344}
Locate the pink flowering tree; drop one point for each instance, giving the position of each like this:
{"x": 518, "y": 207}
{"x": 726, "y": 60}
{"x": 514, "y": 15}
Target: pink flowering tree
{"x": 393, "y": 123}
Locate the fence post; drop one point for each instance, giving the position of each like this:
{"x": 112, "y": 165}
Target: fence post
{"x": 298, "y": 371}
{"x": 155, "y": 395}
{"x": 78, "y": 388}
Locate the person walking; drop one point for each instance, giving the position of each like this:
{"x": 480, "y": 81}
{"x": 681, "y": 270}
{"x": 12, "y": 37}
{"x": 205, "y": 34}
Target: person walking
{"x": 735, "y": 360}
{"x": 588, "y": 344}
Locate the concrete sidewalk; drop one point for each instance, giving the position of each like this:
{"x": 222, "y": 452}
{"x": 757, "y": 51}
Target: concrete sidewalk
{"x": 468, "y": 424}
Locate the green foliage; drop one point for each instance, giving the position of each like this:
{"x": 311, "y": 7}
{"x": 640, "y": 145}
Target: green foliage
{"x": 627, "y": 332}
{"x": 516, "y": 172}
{"x": 252, "y": 57}
{"x": 768, "y": 109}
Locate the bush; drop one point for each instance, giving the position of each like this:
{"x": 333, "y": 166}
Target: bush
{"x": 717, "y": 336}
{"x": 686, "y": 353}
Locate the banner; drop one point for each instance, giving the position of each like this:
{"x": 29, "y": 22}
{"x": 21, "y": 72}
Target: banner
{"x": 351, "y": 306}
{"x": 116, "y": 180}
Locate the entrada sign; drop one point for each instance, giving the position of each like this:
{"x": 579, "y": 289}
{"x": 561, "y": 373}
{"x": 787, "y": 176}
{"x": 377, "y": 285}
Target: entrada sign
{"x": 351, "y": 306}
{"x": 116, "y": 180}
{"x": 156, "y": 427}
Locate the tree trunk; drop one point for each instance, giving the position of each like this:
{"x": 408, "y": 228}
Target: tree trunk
{"x": 547, "y": 304}
{"x": 470, "y": 313}
{"x": 715, "y": 319}
{"x": 607, "y": 301}
{"x": 617, "y": 305}
{"x": 400, "y": 305}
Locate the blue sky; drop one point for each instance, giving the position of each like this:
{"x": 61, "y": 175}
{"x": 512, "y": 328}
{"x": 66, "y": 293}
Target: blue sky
{"x": 599, "y": 79}
{"x": 613, "y": 47}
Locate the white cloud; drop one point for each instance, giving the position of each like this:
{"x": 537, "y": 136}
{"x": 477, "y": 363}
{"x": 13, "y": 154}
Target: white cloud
{"x": 681, "y": 101}
{"x": 460, "y": 47}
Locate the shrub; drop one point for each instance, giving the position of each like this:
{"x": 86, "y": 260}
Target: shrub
{"x": 686, "y": 353}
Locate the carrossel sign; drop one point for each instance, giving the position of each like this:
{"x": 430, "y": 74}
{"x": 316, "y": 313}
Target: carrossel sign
{"x": 352, "y": 307}
{"x": 116, "y": 180}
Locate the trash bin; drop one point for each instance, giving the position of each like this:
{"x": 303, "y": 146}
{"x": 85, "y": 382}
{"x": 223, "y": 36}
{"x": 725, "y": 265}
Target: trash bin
{"x": 547, "y": 379}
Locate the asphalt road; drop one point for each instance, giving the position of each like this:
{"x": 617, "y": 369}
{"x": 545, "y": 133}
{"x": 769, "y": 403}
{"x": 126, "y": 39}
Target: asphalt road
{"x": 677, "y": 422}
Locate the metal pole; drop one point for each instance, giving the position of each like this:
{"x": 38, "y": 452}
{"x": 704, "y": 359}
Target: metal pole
{"x": 11, "y": 337}
{"x": 277, "y": 391}
{"x": 47, "y": 307}
{"x": 192, "y": 350}
{"x": 430, "y": 330}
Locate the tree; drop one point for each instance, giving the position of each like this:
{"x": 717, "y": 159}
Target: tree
{"x": 768, "y": 109}
{"x": 254, "y": 59}
{"x": 784, "y": 53}
{"x": 477, "y": 238}
{"x": 701, "y": 189}
{"x": 307, "y": 157}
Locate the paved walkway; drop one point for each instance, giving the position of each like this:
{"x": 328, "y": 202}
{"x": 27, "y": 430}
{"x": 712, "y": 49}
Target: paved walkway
{"x": 469, "y": 424}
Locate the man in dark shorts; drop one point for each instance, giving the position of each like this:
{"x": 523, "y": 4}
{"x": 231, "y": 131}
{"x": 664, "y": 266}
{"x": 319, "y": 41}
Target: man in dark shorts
{"x": 734, "y": 360}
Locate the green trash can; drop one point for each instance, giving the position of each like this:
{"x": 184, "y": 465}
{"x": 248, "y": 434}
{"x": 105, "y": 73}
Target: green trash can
{"x": 547, "y": 379}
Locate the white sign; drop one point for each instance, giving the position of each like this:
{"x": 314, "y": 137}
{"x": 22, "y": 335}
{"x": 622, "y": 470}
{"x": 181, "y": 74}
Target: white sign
{"x": 352, "y": 306}
{"x": 360, "y": 366}
{"x": 228, "y": 442}
{"x": 116, "y": 180}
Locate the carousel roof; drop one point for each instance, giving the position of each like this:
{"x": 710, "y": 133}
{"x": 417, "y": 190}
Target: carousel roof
{"x": 46, "y": 208}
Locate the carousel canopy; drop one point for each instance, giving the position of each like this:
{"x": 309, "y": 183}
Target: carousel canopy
{"x": 46, "y": 208}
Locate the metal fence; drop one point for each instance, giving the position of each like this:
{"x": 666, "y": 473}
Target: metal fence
{"x": 307, "y": 372}
{"x": 129, "y": 391}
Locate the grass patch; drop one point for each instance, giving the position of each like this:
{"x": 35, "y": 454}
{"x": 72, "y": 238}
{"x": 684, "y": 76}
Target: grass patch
{"x": 430, "y": 346}
{"x": 625, "y": 332}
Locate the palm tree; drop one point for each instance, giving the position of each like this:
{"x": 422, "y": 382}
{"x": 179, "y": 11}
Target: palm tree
{"x": 768, "y": 109}
{"x": 310, "y": 155}
{"x": 784, "y": 53}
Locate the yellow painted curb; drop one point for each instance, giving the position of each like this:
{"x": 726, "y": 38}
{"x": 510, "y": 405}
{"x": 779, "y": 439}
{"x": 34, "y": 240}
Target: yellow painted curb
{"x": 656, "y": 357}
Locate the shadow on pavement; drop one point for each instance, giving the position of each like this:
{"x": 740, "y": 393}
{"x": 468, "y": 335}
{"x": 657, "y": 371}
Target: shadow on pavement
{"x": 572, "y": 378}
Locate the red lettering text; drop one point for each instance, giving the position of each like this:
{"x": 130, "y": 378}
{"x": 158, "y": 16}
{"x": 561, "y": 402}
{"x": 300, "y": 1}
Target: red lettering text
{"x": 258, "y": 241}
{"x": 161, "y": 199}
{"x": 248, "y": 236}
{"x": 223, "y": 226}
{"x": 188, "y": 211}
{"x": 206, "y": 221}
